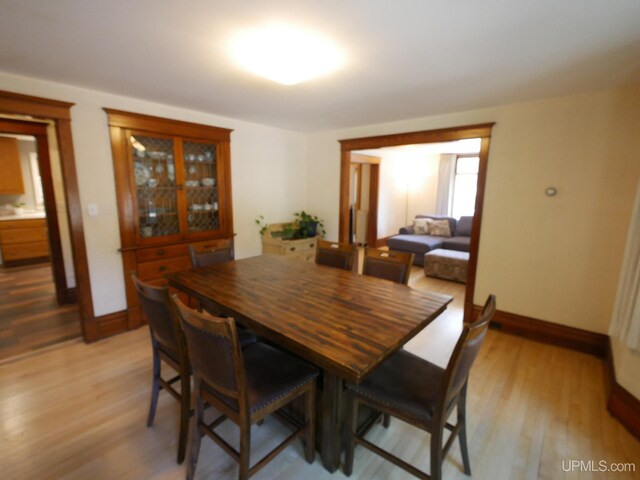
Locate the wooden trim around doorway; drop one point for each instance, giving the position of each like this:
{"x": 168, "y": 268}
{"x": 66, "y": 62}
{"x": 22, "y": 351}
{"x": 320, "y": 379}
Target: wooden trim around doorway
{"x": 60, "y": 114}
{"x": 482, "y": 131}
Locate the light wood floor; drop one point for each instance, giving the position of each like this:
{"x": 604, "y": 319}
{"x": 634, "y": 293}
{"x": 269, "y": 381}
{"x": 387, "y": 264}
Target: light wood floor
{"x": 78, "y": 411}
{"x": 30, "y": 317}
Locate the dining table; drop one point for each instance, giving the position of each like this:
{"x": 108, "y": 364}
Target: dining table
{"x": 344, "y": 323}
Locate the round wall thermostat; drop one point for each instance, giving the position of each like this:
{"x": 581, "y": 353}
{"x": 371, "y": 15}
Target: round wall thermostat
{"x": 551, "y": 192}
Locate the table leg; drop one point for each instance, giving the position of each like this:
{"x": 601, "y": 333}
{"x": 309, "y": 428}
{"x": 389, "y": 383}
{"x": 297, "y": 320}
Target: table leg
{"x": 331, "y": 421}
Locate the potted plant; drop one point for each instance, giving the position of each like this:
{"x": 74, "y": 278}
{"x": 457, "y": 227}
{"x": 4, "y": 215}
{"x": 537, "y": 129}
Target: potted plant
{"x": 263, "y": 226}
{"x": 308, "y": 224}
{"x": 18, "y": 207}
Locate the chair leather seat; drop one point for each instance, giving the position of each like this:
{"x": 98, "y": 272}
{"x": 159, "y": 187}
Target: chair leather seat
{"x": 246, "y": 338}
{"x": 404, "y": 382}
{"x": 270, "y": 375}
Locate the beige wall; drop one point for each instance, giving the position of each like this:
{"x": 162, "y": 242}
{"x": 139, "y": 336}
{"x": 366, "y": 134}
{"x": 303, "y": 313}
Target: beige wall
{"x": 408, "y": 187}
{"x": 555, "y": 259}
{"x": 268, "y": 174}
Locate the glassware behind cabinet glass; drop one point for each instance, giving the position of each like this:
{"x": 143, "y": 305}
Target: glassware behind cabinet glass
{"x": 154, "y": 174}
{"x": 201, "y": 172}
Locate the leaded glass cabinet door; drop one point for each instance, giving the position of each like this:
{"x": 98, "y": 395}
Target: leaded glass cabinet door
{"x": 201, "y": 186}
{"x": 154, "y": 175}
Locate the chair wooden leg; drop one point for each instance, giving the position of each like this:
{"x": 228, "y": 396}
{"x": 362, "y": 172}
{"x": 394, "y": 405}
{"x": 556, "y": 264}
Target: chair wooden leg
{"x": 436, "y": 452}
{"x": 462, "y": 434}
{"x": 185, "y": 407}
{"x": 245, "y": 450}
{"x": 351, "y": 426}
{"x": 386, "y": 420}
{"x": 155, "y": 388}
{"x": 310, "y": 417}
{"x": 196, "y": 437}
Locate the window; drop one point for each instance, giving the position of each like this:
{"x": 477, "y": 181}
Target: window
{"x": 464, "y": 185}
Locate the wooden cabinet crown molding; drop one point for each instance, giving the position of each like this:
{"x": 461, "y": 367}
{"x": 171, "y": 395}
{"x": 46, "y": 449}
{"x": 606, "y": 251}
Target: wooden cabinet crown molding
{"x": 138, "y": 121}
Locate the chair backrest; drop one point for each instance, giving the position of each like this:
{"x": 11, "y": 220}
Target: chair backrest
{"x": 163, "y": 322}
{"x": 390, "y": 265}
{"x": 334, "y": 254}
{"x": 202, "y": 256}
{"x": 465, "y": 353}
{"x": 215, "y": 355}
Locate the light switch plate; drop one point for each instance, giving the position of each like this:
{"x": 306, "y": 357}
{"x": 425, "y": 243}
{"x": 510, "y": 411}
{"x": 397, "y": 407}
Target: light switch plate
{"x": 92, "y": 208}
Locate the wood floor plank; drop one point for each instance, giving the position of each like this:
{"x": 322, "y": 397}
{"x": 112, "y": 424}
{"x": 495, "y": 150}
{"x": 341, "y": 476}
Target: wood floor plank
{"x": 30, "y": 318}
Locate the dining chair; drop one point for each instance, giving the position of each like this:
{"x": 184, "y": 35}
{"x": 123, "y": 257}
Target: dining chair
{"x": 334, "y": 254}
{"x": 245, "y": 386}
{"x": 202, "y": 256}
{"x": 388, "y": 264}
{"x": 421, "y": 394}
{"x": 169, "y": 346}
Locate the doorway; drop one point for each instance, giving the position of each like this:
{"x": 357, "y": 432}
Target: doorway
{"x": 38, "y": 302}
{"x": 58, "y": 116}
{"x": 483, "y": 132}
{"x": 363, "y": 209}
{"x": 38, "y": 200}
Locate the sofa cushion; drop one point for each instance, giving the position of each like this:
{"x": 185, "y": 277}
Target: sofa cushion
{"x": 452, "y": 221}
{"x": 421, "y": 226}
{"x": 463, "y": 229}
{"x": 461, "y": 244}
{"x": 418, "y": 244}
{"x": 440, "y": 228}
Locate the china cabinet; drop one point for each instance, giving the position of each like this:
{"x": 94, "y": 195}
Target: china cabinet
{"x": 173, "y": 186}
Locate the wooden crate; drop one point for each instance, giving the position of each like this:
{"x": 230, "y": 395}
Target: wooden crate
{"x": 304, "y": 248}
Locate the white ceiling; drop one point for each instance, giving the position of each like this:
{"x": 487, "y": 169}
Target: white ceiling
{"x": 405, "y": 59}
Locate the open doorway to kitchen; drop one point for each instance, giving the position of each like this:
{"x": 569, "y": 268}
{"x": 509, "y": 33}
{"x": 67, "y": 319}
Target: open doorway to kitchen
{"x": 481, "y": 132}
{"x": 37, "y": 285}
{"x": 57, "y": 116}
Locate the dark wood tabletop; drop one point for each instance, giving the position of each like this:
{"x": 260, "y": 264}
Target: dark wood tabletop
{"x": 343, "y": 322}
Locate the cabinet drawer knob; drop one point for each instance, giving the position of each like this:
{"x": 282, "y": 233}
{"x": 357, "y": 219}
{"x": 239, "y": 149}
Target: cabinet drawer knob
{"x": 293, "y": 249}
{"x": 163, "y": 268}
{"x": 161, "y": 252}
{"x": 311, "y": 245}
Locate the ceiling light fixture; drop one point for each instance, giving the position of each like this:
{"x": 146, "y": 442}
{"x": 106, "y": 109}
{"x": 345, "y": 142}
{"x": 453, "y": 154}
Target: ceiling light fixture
{"x": 284, "y": 53}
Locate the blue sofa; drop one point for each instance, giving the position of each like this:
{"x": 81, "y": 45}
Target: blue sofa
{"x": 408, "y": 241}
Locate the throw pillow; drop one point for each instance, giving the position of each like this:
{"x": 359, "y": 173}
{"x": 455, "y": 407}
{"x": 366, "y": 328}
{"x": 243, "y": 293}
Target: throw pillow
{"x": 421, "y": 226}
{"x": 440, "y": 228}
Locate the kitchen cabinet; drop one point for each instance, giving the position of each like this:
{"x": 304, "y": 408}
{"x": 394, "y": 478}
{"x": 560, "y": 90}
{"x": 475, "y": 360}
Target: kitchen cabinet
{"x": 24, "y": 241}
{"x": 173, "y": 186}
{"x": 11, "y": 182}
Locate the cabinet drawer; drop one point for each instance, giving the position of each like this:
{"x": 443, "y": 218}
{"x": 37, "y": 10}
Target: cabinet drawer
{"x": 13, "y": 224}
{"x": 158, "y": 253}
{"x": 21, "y": 251}
{"x": 149, "y": 270}
{"x": 299, "y": 246}
{"x": 23, "y": 235}
{"x": 213, "y": 244}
